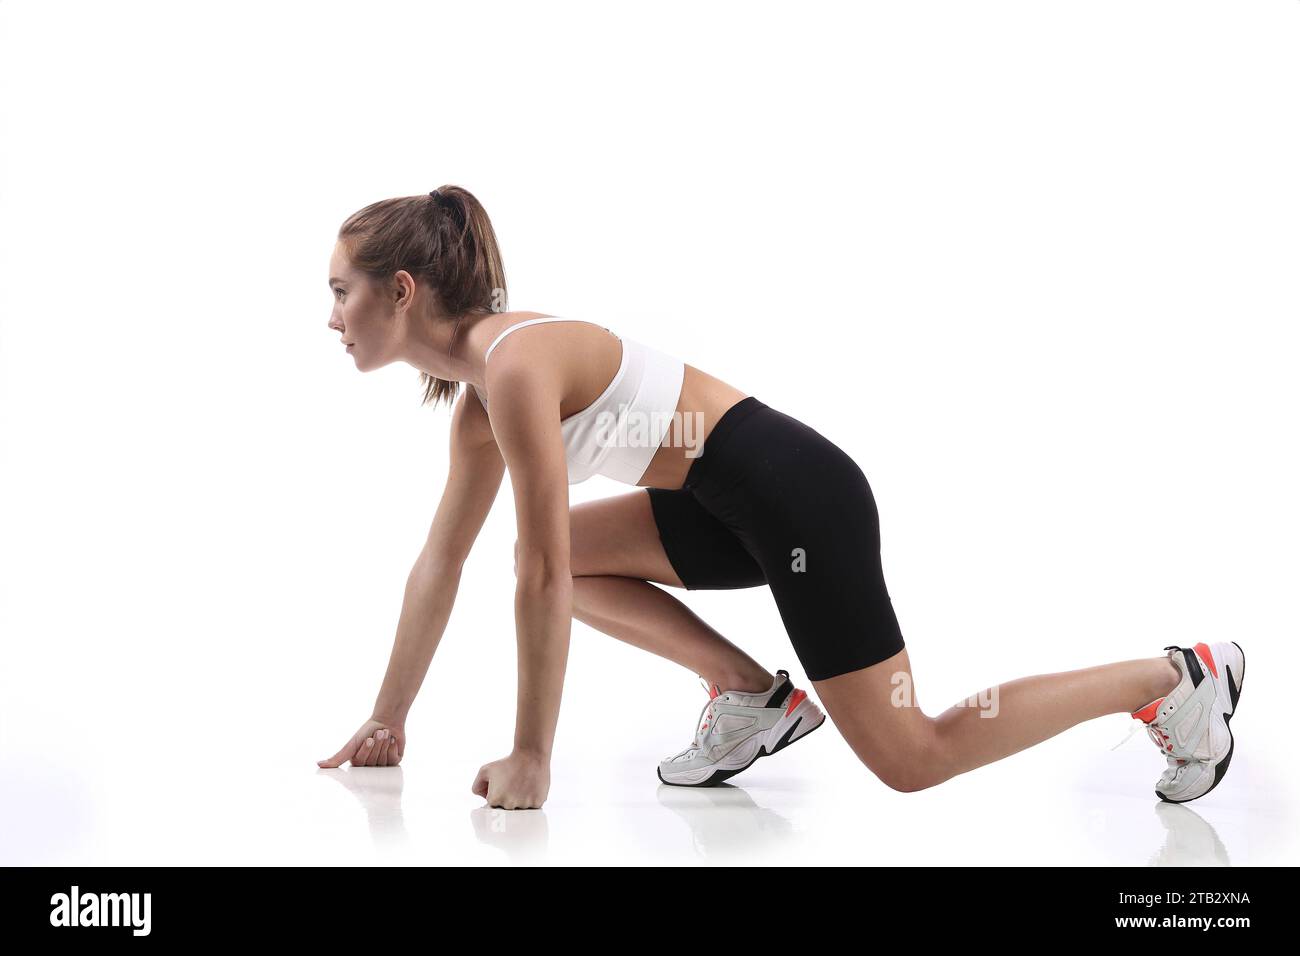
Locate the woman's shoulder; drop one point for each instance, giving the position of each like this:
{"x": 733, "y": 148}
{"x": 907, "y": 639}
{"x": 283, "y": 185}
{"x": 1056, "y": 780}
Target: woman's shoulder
{"x": 576, "y": 356}
{"x": 557, "y": 332}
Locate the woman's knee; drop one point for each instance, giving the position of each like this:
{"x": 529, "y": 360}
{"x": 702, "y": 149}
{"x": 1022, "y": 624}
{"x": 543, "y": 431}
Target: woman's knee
{"x": 916, "y": 766}
{"x": 909, "y": 762}
{"x": 886, "y": 729}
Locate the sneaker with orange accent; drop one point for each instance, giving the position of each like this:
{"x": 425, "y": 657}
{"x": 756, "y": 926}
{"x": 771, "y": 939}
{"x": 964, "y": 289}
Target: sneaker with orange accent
{"x": 736, "y": 728}
{"x": 1190, "y": 723}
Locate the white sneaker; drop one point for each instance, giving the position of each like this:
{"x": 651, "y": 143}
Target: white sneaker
{"x": 1190, "y": 723}
{"x": 735, "y": 729}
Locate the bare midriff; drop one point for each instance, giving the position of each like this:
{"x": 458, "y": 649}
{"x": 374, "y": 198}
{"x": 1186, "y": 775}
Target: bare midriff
{"x": 703, "y": 401}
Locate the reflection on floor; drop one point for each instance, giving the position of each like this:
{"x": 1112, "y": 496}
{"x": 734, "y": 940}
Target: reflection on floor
{"x": 1068, "y": 802}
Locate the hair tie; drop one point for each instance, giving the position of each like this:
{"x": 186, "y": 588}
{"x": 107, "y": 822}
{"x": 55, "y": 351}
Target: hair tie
{"x": 436, "y": 196}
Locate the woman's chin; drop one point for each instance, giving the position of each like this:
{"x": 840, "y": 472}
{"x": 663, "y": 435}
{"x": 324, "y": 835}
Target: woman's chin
{"x": 368, "y": 361}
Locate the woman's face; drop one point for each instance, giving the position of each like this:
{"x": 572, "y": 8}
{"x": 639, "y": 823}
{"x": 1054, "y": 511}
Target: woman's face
{"x": 364, "y": 321}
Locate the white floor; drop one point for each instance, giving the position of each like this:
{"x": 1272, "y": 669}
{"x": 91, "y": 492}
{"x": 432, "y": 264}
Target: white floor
{"x": 1062, "y": 350}
{"x": 1068, "y": 801}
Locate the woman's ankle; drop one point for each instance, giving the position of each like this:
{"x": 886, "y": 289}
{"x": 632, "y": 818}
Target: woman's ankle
{"x": 1172, "y": 675}
{"x": 753, "y": 681}
{"x": 1164, "y": 677}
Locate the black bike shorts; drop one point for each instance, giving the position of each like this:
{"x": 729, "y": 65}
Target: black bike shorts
{"x": 770, "y": 501}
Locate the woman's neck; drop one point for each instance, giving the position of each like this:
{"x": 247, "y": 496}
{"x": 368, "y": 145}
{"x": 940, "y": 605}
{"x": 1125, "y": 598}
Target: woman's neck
{"x": 428, "y": 352}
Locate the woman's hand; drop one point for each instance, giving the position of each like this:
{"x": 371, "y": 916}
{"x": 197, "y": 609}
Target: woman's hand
{"x": 518, "y": 782}
{"x": 377, "y": 744}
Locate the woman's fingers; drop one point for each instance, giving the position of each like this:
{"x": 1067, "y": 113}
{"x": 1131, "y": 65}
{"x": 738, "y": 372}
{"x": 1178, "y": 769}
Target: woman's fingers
{"x": 340, "y": 758}
{"x": 378, "y": 749}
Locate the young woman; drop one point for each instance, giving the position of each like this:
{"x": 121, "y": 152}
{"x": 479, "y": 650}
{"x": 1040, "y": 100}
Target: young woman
{"x": 731, "y": 493}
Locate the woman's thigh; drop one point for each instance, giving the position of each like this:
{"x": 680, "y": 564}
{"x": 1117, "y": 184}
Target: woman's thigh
{"x": 659, "y": 535}
{"x": 618, "y": 536}
{"x": 806, "y": 511}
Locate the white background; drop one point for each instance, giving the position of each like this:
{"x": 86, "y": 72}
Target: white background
{"x": 1033, "y": 265}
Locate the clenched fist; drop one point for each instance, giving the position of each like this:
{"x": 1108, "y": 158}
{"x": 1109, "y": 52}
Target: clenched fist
{"x": 518, "y": 782}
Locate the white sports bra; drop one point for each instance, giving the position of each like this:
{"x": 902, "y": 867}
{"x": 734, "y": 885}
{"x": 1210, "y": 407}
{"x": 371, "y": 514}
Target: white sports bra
{"x": 618, "y": 433}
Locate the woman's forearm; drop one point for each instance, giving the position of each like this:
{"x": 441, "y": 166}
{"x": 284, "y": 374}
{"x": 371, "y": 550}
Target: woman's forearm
{"x": 426, "y": 606}
{"x": 543, "y": 621}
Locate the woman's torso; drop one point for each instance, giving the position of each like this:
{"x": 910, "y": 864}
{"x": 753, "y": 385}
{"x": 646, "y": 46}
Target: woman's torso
{"x": 591, "y": 356}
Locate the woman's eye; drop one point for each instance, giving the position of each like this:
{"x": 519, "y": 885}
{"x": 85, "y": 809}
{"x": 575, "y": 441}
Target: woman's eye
{"x": 338, "y": 293}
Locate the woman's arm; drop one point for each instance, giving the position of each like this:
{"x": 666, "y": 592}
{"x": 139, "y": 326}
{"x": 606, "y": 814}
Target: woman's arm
{"x": 525, "y": 419}
{"x": 473, "y": 478}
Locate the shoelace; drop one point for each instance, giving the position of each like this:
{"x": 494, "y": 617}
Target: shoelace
{"x": 1137, "y": 725}
{"x": 703, "y": 722}
{"x": 701, "y": 726}
{"x": 1175, "y": 765}
{"x": 1131, "y": 731}
{"x": 1158, "y": 736}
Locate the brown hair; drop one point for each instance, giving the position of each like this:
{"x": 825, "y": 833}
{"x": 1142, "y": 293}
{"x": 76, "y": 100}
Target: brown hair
{"x": 444, "y": 238}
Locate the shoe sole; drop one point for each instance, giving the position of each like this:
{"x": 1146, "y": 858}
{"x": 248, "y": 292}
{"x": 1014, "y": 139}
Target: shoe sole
{"x": 1234, "y": 695}
{"x": 720, "y": 775}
